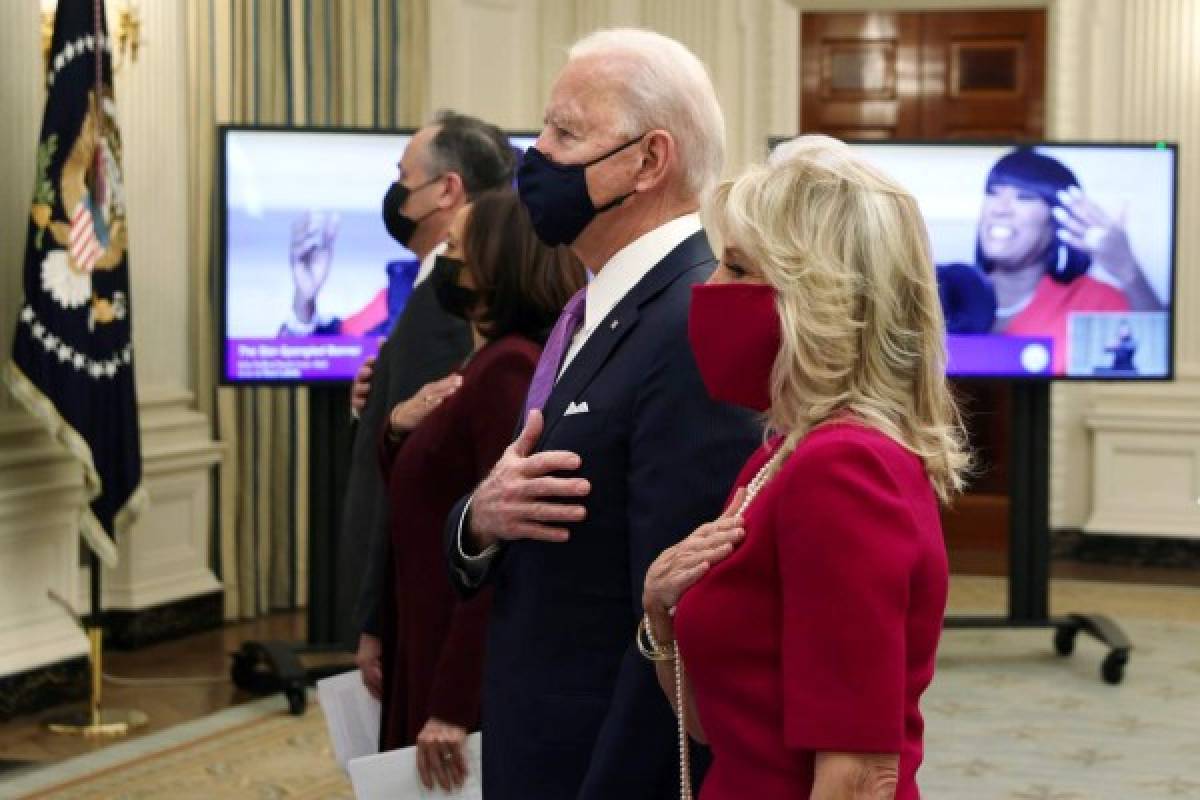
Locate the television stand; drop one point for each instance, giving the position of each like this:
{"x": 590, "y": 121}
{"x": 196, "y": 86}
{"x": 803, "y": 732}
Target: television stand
{"x": 268, "y": 667}
{"x": 1029, "y": 542}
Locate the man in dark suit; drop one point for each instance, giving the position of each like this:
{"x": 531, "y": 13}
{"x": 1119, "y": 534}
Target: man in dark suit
{"x": 623, "y": 453}
{"x": 446, "y": 163}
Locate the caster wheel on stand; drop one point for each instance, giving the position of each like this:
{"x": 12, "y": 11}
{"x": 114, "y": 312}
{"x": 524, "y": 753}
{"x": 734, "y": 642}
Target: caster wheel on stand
{"x": 1113, "y": 667}
{"x": 1064, "y": 639}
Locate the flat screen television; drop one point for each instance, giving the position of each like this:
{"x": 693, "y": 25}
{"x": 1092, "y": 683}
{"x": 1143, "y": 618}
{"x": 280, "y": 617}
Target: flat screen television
{"x": 284, "y": 192}
{"x": 1055, "y": 260}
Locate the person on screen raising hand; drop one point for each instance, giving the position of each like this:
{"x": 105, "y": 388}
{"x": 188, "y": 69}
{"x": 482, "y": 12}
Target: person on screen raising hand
{"x": 1044, "y": 250}
{"x": 311, "y": 257}
{"x": 447, "y": 162}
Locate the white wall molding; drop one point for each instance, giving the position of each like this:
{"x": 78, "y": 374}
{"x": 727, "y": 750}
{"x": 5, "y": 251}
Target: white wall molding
{"x": 36, "y": 555}
{"x": 1146, "y": 478}
{"x": 41, "y": 492}
{"x": 166, "y": 556}
{"x": 163, "y": 559}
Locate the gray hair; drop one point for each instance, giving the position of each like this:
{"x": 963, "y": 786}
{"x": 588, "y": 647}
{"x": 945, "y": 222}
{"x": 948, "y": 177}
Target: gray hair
{"x": 661, "y": 84}
{"x": 477, "y": 151}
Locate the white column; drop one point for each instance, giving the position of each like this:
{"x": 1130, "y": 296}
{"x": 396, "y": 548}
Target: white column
{"x": 152, "y": 115}
{"x": 41, "y": 490}
{"x": 166, "y": 556}
{"x": 21, "y": 97}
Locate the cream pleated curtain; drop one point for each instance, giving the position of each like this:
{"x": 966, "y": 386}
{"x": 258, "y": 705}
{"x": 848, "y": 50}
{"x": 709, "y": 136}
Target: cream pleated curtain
{"x": 304, "y": 62}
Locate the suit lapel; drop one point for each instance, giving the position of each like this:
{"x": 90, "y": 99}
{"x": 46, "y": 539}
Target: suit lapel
{"x": 617, "y": 325}
{"x": 587, "y": 362}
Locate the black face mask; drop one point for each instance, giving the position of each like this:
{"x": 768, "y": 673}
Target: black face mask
{"x": 556, "y": 195}
{"x": 455, "y": 300}
{"x": 401, "y": 227}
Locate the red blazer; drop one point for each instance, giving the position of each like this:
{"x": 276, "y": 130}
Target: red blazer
{"x": 433, "y": 641}
{"x": 818, "y": 633}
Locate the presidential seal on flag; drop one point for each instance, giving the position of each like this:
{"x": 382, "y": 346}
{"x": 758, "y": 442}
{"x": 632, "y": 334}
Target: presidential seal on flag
{"x": 72, "y": 362}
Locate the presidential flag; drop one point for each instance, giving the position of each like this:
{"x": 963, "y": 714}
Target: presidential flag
{"x": 72, "y": 360}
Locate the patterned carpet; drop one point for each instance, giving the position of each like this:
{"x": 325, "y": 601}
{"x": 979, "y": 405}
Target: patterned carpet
{"x": 269, "y": 756}
{"x": 1006, "y": 720}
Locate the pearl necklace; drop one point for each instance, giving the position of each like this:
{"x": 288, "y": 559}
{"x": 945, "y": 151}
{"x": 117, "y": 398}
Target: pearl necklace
{"x": 685, "y": 761}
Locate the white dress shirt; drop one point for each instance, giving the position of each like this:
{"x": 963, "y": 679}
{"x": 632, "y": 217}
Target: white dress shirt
{"x": 427, "y": 263}
{"x": 611, "y": 283}
{"x": 624, "y": 271}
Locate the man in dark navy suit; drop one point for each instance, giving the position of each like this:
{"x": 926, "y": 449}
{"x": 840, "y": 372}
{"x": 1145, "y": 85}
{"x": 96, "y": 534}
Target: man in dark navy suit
{"x": 623, "y": 453}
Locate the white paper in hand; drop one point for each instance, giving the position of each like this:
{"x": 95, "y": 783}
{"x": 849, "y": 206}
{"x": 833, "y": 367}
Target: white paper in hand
{"x": 351, "y": 714}
{"x": 393, "y": 776}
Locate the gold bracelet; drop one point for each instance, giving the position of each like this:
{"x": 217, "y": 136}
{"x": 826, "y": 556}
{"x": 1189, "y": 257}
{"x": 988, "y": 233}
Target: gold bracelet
{"x": 650, "y": 648}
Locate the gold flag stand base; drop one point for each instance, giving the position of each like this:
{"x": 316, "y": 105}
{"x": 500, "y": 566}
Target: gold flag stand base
{"x": 106, "y": 722}
{"x": 94, "y": 720}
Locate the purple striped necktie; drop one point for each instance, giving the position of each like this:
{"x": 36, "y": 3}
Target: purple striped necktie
{"x": 569, "y": 323}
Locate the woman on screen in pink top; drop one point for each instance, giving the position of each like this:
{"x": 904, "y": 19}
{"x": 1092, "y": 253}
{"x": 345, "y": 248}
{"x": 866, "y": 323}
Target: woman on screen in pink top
{"x": 807, "y": 618}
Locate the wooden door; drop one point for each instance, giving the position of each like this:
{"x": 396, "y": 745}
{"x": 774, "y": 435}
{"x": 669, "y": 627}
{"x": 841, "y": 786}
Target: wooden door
{"x": 860, "y": 75}
{"x": 982, "y": 75}
{"x": 923, "y": 75}
{"x": 936, "y": 76}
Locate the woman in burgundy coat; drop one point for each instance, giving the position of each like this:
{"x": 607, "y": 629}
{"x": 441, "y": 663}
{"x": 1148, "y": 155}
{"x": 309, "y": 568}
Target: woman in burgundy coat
{"x": 435, "y": 447}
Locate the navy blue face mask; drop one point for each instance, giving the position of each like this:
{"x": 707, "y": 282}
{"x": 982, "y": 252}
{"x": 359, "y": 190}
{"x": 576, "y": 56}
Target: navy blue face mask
{"x": 556, "y": 195}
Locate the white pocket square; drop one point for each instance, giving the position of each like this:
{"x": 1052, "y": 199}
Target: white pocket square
{"x": 576, "y": 408}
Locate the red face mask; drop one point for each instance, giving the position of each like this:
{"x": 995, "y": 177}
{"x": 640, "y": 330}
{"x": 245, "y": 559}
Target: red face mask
{"x": 735, "y": 335}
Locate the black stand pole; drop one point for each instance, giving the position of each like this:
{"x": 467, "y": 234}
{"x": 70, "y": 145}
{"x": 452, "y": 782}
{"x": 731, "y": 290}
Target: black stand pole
{"x": 1029, "y": 542}
{"x": 330, "y": 443}
{"x": 270, "y": 667}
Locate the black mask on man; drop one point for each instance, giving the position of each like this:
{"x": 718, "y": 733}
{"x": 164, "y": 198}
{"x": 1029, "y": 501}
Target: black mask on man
{"x": 455, "y": 300}
{"x": 556, "y": 195}
{"x": 398, "y": 224}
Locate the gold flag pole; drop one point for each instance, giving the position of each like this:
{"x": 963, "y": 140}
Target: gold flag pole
{"x": 95, "y": 720}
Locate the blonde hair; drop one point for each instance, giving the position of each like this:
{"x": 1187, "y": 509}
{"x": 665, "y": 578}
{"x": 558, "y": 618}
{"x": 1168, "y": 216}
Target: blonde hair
{"x": 662, "y": 84}
{"x": 846, "y": 250}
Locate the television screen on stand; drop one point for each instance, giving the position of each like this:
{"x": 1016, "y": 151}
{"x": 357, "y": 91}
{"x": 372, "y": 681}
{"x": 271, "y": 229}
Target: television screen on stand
{"x": 1054, "y": 260}
{"x": 291, "y": 195}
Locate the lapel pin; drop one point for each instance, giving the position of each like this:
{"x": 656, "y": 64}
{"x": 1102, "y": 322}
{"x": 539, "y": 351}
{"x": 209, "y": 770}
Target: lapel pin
{"x": 614, "y": 324}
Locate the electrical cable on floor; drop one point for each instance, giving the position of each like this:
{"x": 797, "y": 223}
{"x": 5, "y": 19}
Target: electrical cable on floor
{"x": 120, "y": 680}
{"x": 150, "y": 683}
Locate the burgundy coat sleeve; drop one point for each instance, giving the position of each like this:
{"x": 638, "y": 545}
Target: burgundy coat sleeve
{"x": 493, "y": 403}
{"x": 387, "y": 446}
